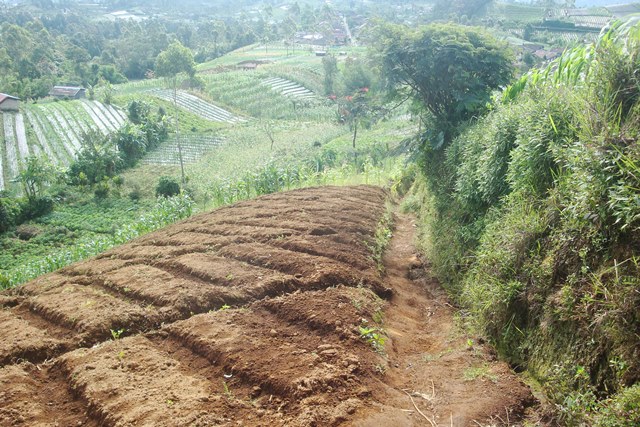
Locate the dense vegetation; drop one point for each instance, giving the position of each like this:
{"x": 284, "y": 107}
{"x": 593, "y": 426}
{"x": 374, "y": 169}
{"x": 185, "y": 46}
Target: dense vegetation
{"x": 530, "y": 219}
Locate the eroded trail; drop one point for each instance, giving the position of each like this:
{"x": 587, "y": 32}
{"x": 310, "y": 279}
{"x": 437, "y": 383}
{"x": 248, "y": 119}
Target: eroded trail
{"x": 435, "y": 374}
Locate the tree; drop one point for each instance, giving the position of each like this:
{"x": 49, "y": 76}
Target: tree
{"x": 131, "y": 143}
{"x": 450, "y": 69}
{"x": 36, "y": 173}
{"x": 218, "y": 31}
{"x": 170, "y": 63}
{"x": 357, "y": 74}
{"x": 167, "y": 187}
{"x": 330, "y": 65}
{"x": 96, "y": 160}
{"x": 359, "y": 109}
{"x": 267, "y": 127}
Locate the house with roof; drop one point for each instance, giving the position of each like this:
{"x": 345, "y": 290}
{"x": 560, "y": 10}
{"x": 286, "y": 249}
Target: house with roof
{"x": 68, "y": 92}
{"x": 9, "y": 103}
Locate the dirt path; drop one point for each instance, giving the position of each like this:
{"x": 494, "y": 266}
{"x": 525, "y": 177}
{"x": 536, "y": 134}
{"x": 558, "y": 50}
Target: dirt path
{"x": 452, "y": 379}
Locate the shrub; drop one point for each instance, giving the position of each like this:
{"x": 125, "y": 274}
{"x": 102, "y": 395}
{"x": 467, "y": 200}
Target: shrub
{"x": 9, "y": 213}
{"x": 623, "y": 410}
{"x": 35, "y": 208}
{"x": 102, "y": 190}
{"x": 135, "y": 194}
{"x": 167, "y": 187}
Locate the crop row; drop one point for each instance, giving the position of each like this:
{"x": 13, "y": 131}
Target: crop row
{"x": 54, "y": 129}
{"x": 309, "y": 75}
{"x": 519, "y": 12}
{"x": 197, "y": 106}
{"x": 2, "y": 162}
{"x": 288, "y": 88}
{"x": 59, "y": 127}
{"x": 10, "y": 145}
{"x": 48, "y": 140}
{"x": 166, "y": 211}
{"x": 193, "y": 147}
{"x": 591, "y": 21}
{"x": 137, "y": 86}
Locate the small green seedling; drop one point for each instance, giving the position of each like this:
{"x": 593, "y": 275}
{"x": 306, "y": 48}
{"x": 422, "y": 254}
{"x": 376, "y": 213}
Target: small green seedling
{"x": 115, "y": 334}
{"x": 378, "y": 317}
{"x": 373, "y": 336}
{"x": 225, "y": 307}
{"x": 227, "y": 392}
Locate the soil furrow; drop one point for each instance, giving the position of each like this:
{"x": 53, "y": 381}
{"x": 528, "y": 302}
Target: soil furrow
{"x": 321, "y": 246}
{"x": 33, "y": 339}
{"x": 315, "y": 272}
{"x": 33, "y": 395}
{"x": 91, "y": 312}
{"x": 145, "y": 335}
{"x": 142, "y": 253}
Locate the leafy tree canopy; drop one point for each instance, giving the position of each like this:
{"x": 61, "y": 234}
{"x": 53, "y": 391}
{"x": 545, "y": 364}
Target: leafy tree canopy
{"x": 451, "y": 69}
{"x": 174, "y": 60}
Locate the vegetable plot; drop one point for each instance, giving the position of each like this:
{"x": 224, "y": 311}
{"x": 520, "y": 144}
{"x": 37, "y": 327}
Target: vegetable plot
{"x": 48, "y": 140}
{"x": 59, "y": 126}
{"x": 193, "y": 148}
{"x": 10, "y": 146}
{"x": 288, "y": 88}
{"x": 197, "y": 106}
{"x": 248, "y": 92}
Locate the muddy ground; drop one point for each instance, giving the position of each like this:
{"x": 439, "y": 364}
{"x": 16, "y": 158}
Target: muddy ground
{"x": 269, "y": 312}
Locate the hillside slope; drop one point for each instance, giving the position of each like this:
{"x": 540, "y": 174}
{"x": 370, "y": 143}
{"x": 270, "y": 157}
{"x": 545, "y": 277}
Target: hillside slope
{"x": 267, "y": 312}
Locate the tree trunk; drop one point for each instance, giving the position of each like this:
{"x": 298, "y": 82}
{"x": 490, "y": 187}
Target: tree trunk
{"x": 355, "y": 133}
{"x": 175, "y": 105}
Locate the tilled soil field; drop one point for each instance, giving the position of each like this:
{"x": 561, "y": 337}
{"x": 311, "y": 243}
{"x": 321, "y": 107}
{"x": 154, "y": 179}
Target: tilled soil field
{"x": 247, "y": 315}
{"x": 271, "y": 312}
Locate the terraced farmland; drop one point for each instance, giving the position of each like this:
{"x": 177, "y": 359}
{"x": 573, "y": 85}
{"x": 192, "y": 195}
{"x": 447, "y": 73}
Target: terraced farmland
{"x": 264, "y": 96}
{"x": 197, "y": 106}
{"x": 14, "y": 147}
{"x": 193, "y": 148}
{"x": 518, "y": 12}
{"x": 296, "y": 265}
{"x": 288, "y": 88}
{"x": 53, "y": 130}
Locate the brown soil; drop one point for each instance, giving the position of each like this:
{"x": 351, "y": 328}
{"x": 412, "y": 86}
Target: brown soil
{"x": 249, "y": 315}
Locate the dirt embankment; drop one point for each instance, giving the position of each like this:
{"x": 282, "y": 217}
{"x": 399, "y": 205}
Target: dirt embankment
{"x": 255, "y": 315}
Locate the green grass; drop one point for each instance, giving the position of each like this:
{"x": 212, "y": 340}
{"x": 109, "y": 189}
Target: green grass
{"x": 479, "y": 372}
{"x": 309, "y": 154}
{"x": 277, "y": 54}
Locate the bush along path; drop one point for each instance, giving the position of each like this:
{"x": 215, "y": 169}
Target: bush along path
{"x": 432, "y": 373}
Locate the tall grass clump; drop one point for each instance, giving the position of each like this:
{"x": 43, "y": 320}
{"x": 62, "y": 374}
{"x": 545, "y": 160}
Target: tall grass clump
{"x": 531, "y": 218}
